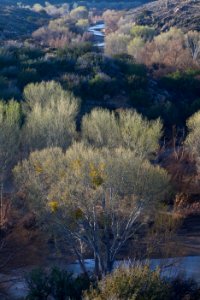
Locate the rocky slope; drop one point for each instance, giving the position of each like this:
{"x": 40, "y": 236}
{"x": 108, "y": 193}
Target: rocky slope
{"x": 17, "y": 23}
{"x": 164, "y": 14}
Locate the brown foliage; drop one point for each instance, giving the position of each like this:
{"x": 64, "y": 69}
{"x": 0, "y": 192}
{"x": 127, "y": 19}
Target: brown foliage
{"x": 181, "y": 166}
{"x": 173, "y": 55}
{"x": 111, "y": 18}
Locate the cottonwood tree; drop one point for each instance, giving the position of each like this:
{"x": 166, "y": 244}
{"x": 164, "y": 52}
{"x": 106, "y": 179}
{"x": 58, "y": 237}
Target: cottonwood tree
{"x": 9, "y": 148}
{"x": 193, "y": 44}
{"x": 116, "y": 43}
{"x": 168, "y": 48}
{"x": 9, "y": 136}
{"x": 79, "y": 12}
{"x": 128, "y": 129}
{"x": 111, "y": 19}
{"x": 193, "y": 141}
{"x": 50, "y": 115}
{"x": 134, "y": 48}
{"x": 96, "y": 199}
{"x": 144, "y": 32}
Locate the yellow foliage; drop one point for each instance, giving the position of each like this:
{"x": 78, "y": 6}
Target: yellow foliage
{"x": 38, "y": 169}
{"x": 76, "y": 165}
{"x": 53, "y": 206}
{"x": 97, "y": 174}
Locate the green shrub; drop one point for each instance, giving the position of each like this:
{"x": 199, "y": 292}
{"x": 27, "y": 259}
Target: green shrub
{"x": 75, "y": 51}
{"x": 38, "y": 285}
{"x": 32, "y": 53}
{"x": 101, "y": 85}
{"x": 136, "y": 82}
{"x": 10, "y": 72}
{"x": 3, "y": 82}
{"x": 134, "y": 283}
{"x": 27, "y": 76}
{"x": 182, "y": 288}
{"x": 62, "y": 284}
{"x": 186, "y": 82}
{"x": 59, "y": 284}
{"x": 141, "y": 283}
{"x": 141, "y": 98}
{"x": 7, "y": 58}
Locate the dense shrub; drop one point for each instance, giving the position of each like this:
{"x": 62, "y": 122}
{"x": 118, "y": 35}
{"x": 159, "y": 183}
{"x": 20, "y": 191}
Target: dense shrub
{"x": 59, "y": 284}
{"x": 38, "y": 285}
{"x": 137, "y": 283}
{"x": 32, "y": 53}
{"x": 10, "y": 72}
{"x": 101, "y": 85}
{"x": 74, "y": 51}
{"x": 186, "y": 82}
{"x": 141, "y": 283}
{"x": 27, "y": 76}
{"x": 7, "y": 58}
{"x": 140, "y": 98}
{"x": 131, "y": 282}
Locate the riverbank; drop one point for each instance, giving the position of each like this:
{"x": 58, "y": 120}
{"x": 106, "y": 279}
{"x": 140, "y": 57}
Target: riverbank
{"x": 32, "y": 251}
{"x": 15, "y": 288}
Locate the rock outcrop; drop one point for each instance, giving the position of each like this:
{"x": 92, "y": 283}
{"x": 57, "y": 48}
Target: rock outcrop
{"x": 163, "y": 14}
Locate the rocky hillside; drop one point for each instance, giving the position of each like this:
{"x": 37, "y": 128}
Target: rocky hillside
{"x": 164, "y": 14}
{"x": 17, "y": 23}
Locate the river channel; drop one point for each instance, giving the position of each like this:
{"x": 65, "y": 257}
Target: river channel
{"x": 99, "y": 36}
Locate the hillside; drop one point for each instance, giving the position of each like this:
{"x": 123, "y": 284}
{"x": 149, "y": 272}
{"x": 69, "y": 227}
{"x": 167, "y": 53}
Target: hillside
{"x": 17, "y": 23}
{"x": 164, "y": 14}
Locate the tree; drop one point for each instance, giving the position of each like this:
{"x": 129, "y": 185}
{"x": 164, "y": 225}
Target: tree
{"x": 128, "y": 129}
{"x": 135, "y": 46}
{"x": 95, "y": 198}
{"x": 79, "y": 12}
{"x": 111, "y": 19}
{"x": 193, "y": 44}
{"x": 82, "y": 24}
{"x": 144, "y": 32}
{"x": 38, "y": 8}
{"x": 116, "y": 43}
{"x": 50, "y": 115}
{"x": 193, "y": 141}
{"x": 9, "y": 136}
{"x": 168, "y": 48}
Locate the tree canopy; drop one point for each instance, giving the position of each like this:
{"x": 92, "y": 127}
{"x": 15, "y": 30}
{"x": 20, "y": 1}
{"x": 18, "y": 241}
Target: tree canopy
{"x": 50, "y": 115}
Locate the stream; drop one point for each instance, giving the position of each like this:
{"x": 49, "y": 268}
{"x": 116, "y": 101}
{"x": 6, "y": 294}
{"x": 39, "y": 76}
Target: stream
{"x": 97, "y": 31}
{"x": 188, "y": 266}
